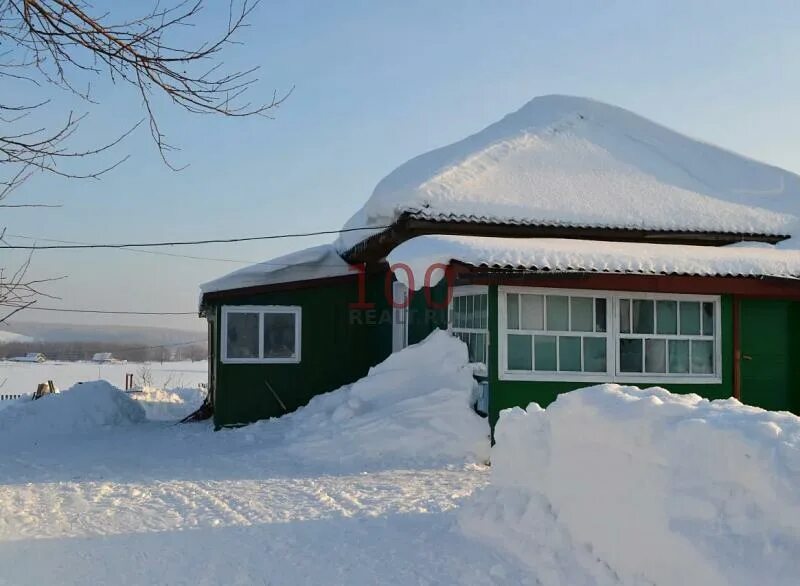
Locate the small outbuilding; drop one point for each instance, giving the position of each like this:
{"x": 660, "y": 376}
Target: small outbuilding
{"x": 103, "y": 357}
{"x": 571, "y": 243}
{"x": 31, "y": 357}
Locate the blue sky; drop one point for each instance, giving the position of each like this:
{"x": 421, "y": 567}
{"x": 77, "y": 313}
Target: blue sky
{"x": 376, "y": 84}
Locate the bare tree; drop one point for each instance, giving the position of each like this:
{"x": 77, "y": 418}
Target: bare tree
{"x": 64, "y": 44}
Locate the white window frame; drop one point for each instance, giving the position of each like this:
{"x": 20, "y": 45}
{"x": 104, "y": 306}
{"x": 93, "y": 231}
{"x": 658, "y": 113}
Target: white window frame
{"x": 261, "y": 310}
{"x": 463, "y": 291}
{"x": 612, "y": 373}
{"x": 400, "y": 315}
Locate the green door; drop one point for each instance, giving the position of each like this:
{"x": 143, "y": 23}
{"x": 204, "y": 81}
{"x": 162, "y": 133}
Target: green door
{"x": 768, "y": 379}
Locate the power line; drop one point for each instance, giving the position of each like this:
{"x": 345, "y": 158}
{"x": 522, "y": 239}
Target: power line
{"x": 187, "y": 242}
{"x": 135, "y": 250}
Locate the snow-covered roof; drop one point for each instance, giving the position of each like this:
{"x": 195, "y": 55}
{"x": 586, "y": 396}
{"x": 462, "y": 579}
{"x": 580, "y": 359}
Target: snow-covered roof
{"x": 553, "y": 254}
{"x": 317, "y": 262}
{"x": 569, "y": 161}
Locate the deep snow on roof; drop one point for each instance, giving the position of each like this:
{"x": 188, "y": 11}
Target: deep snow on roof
{"x": 554, "y": 254}
{"x": 317, "y": 262}
{"x": 569, "y": 161}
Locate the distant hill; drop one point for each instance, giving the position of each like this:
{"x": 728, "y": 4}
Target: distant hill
{"x": 134, "y": 335}
{"x": 81, "y": 342}
{"x": 7, "y": 336}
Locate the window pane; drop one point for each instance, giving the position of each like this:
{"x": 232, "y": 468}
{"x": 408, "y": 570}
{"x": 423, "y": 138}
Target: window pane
{"x": 471, "y": 311}
{"x": 655, "y": 355}
{"x": 532, "y": 312}
{"x": 708, "y": 318}
{"x": 642, "y": 313}
{"x": 690, "y": 318}
{"x": 545, "y": 350}
{"x": 569, "y": 353}
{"x": 600, "y": 315}
{"x": 484, "y": 311}
{"x": 242, "y": 335}
{"x": 630, "y": 355}
{"x": 625, "y": 316}
{"x": 666, "y": 317}
{"x": 594, "y": 354}
{"x": 519, "y": 352}
{"x": 477, "y": 350}
{"x": 702, "y": 357}
{"x": 512, "y": 308}
{"x": 279, "y": 339}
{"x": 557, "y": 313}
{"x": 679, "y": 356}
{"x": 582, "y": 314}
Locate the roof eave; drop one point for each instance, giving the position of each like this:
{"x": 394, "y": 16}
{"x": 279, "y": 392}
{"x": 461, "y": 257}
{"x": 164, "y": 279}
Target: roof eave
{"x": 411, "y": 224}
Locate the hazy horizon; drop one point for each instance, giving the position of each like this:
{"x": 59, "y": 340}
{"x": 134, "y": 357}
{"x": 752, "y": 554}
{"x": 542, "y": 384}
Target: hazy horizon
{"x": 376, "y": 85}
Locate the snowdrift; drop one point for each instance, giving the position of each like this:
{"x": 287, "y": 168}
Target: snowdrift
{"x": 615, "y": 485}
{"x": 413, "y": 408}
{"x": 82, "y": 408}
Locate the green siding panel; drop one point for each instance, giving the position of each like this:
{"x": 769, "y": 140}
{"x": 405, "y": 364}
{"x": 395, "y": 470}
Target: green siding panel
{"x": 769, "y": 346}
{"x": 427, "y": 312}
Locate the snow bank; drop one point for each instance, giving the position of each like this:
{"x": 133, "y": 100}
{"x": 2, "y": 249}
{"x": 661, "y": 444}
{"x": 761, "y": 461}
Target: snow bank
{"x": 615, "y": 485}
{"x": 554, "y": 254}
{"x": 563, "y": 160}
{"x": 168, "y": 404}
{"x": 415, "y": 407}
{"x": 82, "y": 408}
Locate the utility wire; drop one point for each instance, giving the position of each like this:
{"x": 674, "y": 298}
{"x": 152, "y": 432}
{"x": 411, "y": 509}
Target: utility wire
{"x": 135, "y": 250}
{"x": 186, "y": 242}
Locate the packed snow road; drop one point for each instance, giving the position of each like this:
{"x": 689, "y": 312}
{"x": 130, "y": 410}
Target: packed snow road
{"x": 164, "y": 504}
{"x": 362, "y": 486}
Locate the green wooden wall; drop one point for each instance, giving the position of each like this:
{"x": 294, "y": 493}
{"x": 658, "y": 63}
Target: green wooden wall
{"x": 505, "y": 394}
{"x": 339, "y": 345}
{"x": 427, "y": 312}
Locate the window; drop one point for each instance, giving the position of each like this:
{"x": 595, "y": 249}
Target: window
{"x": 469, "y": 320}
{"x": 261, "y": 334}
{"x": 549, "y": 334}
{"x": 667, "y": 336}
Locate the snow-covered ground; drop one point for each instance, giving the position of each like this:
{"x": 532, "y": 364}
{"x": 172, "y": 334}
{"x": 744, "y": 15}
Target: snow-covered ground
{"x": 21, "y": 378}
{"x": 128, "y": 501}
{"x": 383, "y": 482}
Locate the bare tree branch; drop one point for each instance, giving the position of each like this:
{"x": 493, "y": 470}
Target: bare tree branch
{"x": 57, "y": 46}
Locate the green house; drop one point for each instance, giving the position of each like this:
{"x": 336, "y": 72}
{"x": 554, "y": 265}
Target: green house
{"x": 571, "y": 243}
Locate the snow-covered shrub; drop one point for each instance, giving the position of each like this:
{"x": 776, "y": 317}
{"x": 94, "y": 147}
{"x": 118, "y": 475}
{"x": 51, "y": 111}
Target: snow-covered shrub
{"x": 615, "y": 485}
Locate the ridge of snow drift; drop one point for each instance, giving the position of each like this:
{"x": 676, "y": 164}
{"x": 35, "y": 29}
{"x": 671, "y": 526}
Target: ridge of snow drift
{"x": 81, "y": 408}
{"x": 617, "y": 485}
{"x": 562, "y": 160}
{"x": 414, "y": 408}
